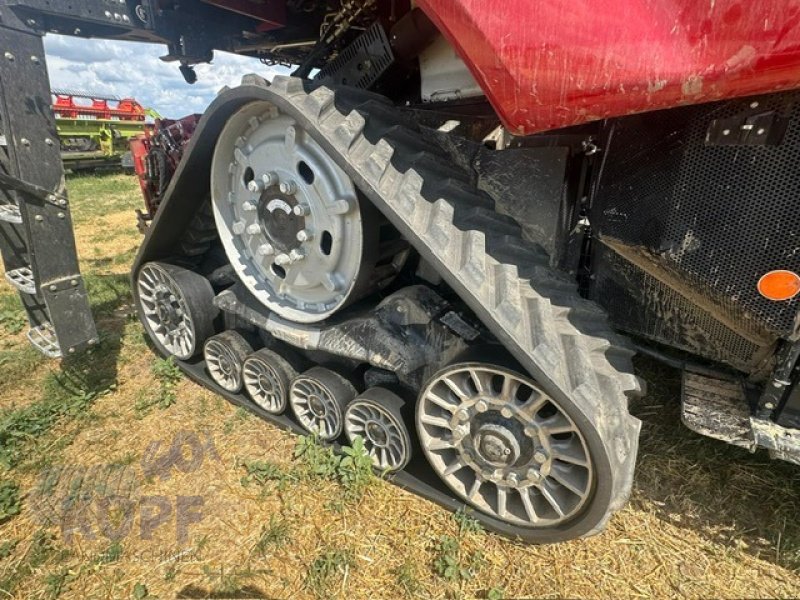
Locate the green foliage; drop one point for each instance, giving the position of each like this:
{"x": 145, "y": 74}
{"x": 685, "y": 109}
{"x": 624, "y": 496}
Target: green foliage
{"x": 355, "y": 469}
{"x": 466, "y": 524}
{"x": 274, "y": 535}
{"x": 495, "y": 593}
{"x": 322, "y": 573}
{"x": 40, "y": 551}
{"x": 319, "y": 460}
{"x": 67, "y": 394}
{"x": 12, "y": 316}
{"x": 352, "y": 469}
{"x": 168, "y": 375}
{"x": 452, "y": 564}
{"x": 7, "y": 548}
{"x": 10, "y": 503}
{"x": 262, "y": 472}
{"x": 140, "y": 591}
{"x": 111, "y": 554}
{"x": 55, "y": 582}
{"x": 406, "y": 578}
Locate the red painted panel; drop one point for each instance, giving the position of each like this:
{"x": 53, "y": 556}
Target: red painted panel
{"x": 551, "y": 63}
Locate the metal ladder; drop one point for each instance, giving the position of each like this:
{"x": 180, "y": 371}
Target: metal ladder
{"x": 36, "y": 238}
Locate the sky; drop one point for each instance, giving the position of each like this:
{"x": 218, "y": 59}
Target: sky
{"x": 132, "y": 69}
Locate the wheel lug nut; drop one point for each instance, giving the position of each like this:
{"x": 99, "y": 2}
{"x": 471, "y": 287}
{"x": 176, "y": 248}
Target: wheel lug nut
{"x": 539, "y": 456}
{"x": 512, "y": 479}
{"x": 266, "y": 250}
{"x": 238, "y": 227}
{"x": 340, "y": 207}
{"x": 481, "y": 406}
{"x": 255, "y": 186}
{"x": 305, "y": 235}
{"x": 462, "y": 415}
{"x": 530, "y": 432}
{"x": 506, "y": 412}
{"x": 296, "y": 255}
{"x": 253, "y": 228}
{"x": 301, "y": 210}
{"x": 249, "y": 206}
{"x": 270, "y": 178}
{"x": 282, "y": 259}
{"x": 288, "y": 187}
{"x": 532, "y": 474}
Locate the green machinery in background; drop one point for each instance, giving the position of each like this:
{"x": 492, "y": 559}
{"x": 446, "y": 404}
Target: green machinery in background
{"x": 95, "y": 130}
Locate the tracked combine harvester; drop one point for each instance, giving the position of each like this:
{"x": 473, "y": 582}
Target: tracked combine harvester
{"x": 437, "y": 241}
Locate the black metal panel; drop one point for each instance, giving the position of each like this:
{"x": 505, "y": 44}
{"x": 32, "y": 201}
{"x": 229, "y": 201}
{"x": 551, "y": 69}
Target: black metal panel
{"x": 37, "y": 183}
{"x": 707, "y": 218}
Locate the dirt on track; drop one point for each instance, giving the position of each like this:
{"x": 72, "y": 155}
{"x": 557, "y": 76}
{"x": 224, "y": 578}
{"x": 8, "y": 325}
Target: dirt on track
{"x": 705, "y": 519}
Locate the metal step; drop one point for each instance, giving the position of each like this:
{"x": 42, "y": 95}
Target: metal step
{"x": 45, "y": 341}
{"x": 10, "y": 213}
{"x": 716, "y": 406}
{"x": 22, "y": 279}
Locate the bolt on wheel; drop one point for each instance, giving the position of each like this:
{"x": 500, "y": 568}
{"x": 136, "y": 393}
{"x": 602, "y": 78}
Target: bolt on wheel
{"x": 376, "y": 417}
{"x": 225, "y": 354}
{"x": 318, "y": 399}
{"x": 289, "y": 218}
{"x": 504, "y": 446}
{"x": 176, "y": 307}
{"x": 267, "y": 377}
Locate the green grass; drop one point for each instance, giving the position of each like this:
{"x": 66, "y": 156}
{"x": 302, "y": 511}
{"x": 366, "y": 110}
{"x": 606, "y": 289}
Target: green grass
{"x": 452, "y": 563}
{"x": 42, "y": 550}
{"x": 98, "y": 195}
{"x": 12, "y": 316}
{"x": 10, "y": 503}
{"x": 168, "y": 375}
{"x": 328, "y": 570}
{"x": 352, "y": 469}
{"x": 274, "y": 535}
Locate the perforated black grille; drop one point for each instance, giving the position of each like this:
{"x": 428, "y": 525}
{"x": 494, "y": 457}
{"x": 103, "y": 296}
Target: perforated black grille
{"x": 718, "y": 217}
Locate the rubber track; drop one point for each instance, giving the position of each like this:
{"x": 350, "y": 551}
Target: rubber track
{"x": 564, "y": 341}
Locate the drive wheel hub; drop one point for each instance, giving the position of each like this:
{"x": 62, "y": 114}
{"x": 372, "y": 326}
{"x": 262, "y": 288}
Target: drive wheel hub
{"x": 496, "y": 445}
{"x": 504, "y": 446}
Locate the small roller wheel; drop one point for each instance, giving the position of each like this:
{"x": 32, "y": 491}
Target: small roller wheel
{"x": 225, "y": 353}
{"x": 376, "y": 416}
{"x": 267, "y": 377}
{"x": 318, "y": 399}
{"x": 176, "y": 307}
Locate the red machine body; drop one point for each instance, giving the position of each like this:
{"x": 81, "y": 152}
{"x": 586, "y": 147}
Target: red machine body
{"x": 552, "y": 64}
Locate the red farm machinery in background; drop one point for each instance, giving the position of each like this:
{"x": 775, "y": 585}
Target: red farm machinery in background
{"x": 156, "y": 154}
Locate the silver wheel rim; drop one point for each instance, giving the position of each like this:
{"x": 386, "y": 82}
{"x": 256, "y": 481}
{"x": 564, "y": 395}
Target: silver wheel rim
{"x": 223, "y": 365}
{"x": 166, "y": 311}
{"x": 287, "y": 215}
{"x": 383, "y": 436}
{"x": 264, "y": 385}
{"x": 315, "y": 407}
{"x": 504, "y": 446}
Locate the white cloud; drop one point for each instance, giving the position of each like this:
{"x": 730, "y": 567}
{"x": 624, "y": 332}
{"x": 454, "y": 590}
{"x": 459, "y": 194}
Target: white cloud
{"x": 131, "y": 69}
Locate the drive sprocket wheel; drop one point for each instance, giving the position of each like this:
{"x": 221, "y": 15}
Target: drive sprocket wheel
{"x": 291, "y": 221}
{"x": 176, "y": 307}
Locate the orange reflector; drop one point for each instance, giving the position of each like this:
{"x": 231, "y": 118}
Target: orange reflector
{"x": 779, "y": 285}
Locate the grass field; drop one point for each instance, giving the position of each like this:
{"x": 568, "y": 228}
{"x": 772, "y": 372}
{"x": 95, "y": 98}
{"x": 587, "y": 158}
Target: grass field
{"x": 121, "y": 479}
